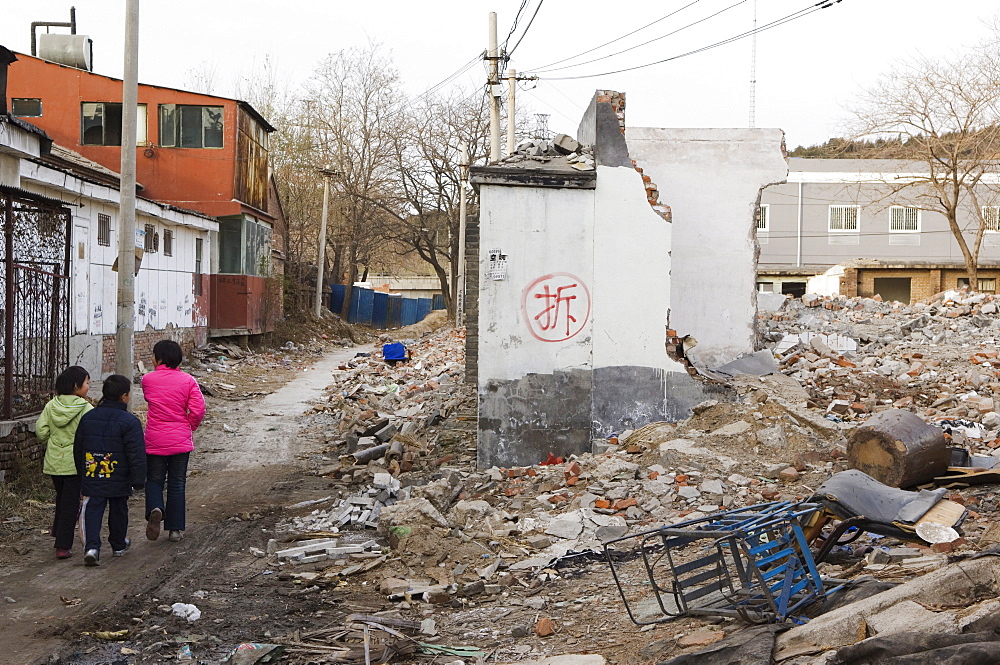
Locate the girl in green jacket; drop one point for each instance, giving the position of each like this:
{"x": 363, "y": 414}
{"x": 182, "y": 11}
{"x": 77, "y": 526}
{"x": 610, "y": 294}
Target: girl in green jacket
{"x": 56, "y": 427}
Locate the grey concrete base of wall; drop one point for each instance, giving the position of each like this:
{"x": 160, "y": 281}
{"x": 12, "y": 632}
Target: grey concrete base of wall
{"x": 523, "y": 420}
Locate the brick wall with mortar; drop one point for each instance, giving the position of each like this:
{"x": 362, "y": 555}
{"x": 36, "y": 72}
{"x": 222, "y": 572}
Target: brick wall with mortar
{"x": 924, "y": 282}
{"x": 19, "y": 443}
{"x": 472, "y": 300}
{"x": 188, "y": 338}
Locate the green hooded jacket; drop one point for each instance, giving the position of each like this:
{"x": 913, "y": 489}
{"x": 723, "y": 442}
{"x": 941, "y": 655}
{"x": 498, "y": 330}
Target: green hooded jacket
{"x": 56, "y": 427}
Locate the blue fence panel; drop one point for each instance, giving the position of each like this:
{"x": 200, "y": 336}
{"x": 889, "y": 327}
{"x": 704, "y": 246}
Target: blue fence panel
{"x": 395, "y": 311}
{"x": 438, "y": 302}
{"x": 423, "y": 308}
{"x": 380, "y": 310}
{"x": 337, "y": 292}
{"x": 361, "y": 306}
{"x": 408, "y": 312}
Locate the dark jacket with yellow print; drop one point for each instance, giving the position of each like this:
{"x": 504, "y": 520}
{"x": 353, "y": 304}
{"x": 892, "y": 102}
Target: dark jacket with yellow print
{"x": 109, "y": 451}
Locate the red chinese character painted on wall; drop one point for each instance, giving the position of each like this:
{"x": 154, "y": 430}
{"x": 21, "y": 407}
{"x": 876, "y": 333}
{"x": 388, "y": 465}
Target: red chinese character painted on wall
{"x": 556, "y": 307}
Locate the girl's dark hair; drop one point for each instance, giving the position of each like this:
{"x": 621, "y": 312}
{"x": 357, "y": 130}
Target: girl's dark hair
{"x": 115, "y": 386}
{"x": 168, "y": 352}
{"x": 70, "y": 379}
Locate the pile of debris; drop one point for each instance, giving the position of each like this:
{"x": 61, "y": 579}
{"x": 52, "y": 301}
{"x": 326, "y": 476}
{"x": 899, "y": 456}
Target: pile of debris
{"x": 857, "y": 356}
{"x": 381, "y": 411}
{"x": 562, "y": 150}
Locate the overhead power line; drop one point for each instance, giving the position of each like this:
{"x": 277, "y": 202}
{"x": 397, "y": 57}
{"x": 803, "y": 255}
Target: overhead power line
{"x": 526, "y": 28}
{"x": 650, "y": 41}
{"x": 616, "y": 39}
{"x": 513, "y": 26}
{"x": 802, "y": 13}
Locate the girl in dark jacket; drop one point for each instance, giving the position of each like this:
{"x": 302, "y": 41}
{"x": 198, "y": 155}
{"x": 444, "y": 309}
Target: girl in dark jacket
{"x": 110, "y": 457}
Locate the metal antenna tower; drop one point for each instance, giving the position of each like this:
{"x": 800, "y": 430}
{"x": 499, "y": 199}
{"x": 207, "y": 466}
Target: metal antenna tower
{"x": 753, "y": 70}
{"x": 542, "y": 126}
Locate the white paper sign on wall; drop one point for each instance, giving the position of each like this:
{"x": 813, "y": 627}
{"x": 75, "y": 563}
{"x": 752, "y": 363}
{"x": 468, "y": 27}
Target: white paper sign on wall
{"x": 498, "y": 265}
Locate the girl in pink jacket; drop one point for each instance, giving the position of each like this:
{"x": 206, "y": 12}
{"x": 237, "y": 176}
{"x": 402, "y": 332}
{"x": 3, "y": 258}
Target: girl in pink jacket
{"x": 176, "y": 408}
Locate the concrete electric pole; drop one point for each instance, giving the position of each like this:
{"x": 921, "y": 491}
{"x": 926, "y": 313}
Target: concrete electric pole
{"x": 511, "y": 88}
{"x": 321, "y": 251}
{"x": 463, "y": 179}
{"x": 493, "y": 55}
{"x": 125, "y": 320}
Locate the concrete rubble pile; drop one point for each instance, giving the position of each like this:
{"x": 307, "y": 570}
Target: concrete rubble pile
{"x": 385, "y": 412}
{"x": 470, "y": 540}
{"x": 857, "y": 356}
{"x": 562, "y": 150}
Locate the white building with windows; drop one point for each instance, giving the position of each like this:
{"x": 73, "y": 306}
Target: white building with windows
{"x": 850, "y": 212}
{"x": 172, "y": 250}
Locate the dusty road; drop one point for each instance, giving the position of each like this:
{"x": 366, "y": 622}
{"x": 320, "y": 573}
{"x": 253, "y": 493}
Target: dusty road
{"x": 244, "y": 450}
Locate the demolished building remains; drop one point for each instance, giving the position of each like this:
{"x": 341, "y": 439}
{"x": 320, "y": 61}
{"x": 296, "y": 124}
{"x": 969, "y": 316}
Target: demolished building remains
{"x": 581, "y": 289}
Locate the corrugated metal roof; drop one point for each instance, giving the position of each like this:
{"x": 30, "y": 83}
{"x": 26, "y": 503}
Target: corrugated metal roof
{"x": 24, "y": 195}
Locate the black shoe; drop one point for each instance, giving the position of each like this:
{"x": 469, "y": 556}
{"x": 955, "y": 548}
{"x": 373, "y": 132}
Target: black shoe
{"x": 121, "y": 552}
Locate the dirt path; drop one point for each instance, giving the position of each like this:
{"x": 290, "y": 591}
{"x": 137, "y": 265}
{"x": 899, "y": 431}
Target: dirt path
{"x": 232, "y": 473}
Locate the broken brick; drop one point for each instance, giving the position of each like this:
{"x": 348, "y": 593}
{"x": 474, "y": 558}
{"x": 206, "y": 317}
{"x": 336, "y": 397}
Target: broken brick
{"x": 622, "y": 504}
{"x": 788, "y": 475}
{"x": 602, "y": 503}
{"x": 545, "y": 627}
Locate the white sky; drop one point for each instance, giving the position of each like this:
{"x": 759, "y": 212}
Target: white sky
{"x": 807, "y": 70}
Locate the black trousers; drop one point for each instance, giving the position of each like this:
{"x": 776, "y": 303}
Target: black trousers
{"x": 67, "y": 510}
{"x": 93, "y": 514}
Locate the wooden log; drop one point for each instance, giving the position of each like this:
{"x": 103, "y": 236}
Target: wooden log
{"x": 899, "y": 449}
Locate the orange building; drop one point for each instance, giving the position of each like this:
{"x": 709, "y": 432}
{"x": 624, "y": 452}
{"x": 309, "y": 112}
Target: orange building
{"x": 195, "y": 151}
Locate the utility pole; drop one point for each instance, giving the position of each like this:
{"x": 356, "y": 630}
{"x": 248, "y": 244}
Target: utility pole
{"x": 327, "y": 174}
{"x": 125, "y": 319}
{"x": 511, "y": 88}
{"x": 753, "y": 71}
{"x": 493, "y": 55}
{"x": 463, "y": 178}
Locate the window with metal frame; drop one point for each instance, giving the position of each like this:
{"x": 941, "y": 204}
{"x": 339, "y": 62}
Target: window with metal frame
{"x": 152, "y": 239}
{"x": 763, "y": 218}
{"x": 25, "y": 107}
{"x": 991, "y": 218}
{"x": 101, "y": 123}
{"x": 843, "y": 219}
{"x": 103, "y": 229}
{"x": 168, "y": 242}
{"x": 198, "y": 249}
{"x": 904, "y": 220}
{"x": 184, "y": 126}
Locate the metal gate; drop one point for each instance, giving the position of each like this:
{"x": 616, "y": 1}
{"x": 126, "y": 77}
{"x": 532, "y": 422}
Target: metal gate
{"x": 34, "y": 299}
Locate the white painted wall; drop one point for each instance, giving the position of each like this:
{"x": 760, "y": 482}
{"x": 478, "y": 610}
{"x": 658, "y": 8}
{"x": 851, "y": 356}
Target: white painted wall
{"x": 542, "y": 231}
{"x": 711, "y": 179}
{"x": 632, "y": 260}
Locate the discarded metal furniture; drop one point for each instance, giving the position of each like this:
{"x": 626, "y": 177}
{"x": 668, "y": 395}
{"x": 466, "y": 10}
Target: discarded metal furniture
{"x": 753, "y": 563}
{"x": 857, "y": 501}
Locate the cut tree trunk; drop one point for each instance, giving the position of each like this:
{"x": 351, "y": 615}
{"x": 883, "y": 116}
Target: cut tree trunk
{"x": 899, "y": 449}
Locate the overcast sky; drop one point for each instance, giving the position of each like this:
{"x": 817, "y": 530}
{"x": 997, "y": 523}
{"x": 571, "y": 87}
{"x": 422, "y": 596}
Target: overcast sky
{"x": 807, "y": 69}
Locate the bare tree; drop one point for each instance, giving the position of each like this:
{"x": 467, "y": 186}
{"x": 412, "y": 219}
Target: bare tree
{"x": 427, "y": 157}
{"x": 357, "y": 112}
{"x": 943, "y": 115}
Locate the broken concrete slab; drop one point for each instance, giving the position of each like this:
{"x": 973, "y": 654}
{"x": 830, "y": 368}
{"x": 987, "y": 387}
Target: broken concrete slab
{"x": 957, "y": 584}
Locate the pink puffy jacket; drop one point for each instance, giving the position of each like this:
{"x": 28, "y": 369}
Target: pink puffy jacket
{"x": 176, "y": 408}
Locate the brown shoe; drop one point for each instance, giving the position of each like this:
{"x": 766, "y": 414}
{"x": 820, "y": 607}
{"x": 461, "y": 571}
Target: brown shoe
{"x": 153, "y": 525}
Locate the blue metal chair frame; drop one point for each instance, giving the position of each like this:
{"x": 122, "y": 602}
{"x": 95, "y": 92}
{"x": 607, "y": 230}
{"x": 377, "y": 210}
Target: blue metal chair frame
{"x": 753, "y": 563}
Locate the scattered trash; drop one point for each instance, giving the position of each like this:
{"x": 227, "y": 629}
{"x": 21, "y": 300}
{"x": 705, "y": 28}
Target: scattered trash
{"x": 186, "y": 611}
